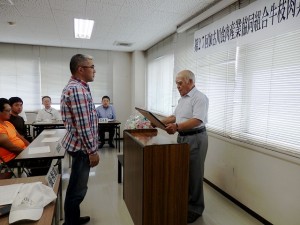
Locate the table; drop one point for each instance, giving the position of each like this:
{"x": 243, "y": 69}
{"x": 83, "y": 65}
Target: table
{"x": 56, "y": 152}
{"x": 50, "y": 211}
{"x": 116, "y": 125}
{"x": 38, "y": 127}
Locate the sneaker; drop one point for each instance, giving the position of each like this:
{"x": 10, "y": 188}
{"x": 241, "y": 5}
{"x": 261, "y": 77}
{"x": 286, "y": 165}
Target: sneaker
{"x": 192, "y": 217}
{"x": 82, "y": 220}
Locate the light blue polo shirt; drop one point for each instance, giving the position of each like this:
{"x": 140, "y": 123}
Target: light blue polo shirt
{"x": 108, "y": 112}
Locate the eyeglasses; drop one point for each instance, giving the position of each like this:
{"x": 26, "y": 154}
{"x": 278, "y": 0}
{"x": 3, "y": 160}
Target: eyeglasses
{"x": 7, "y": 110}
{"x": 91, "y": 67}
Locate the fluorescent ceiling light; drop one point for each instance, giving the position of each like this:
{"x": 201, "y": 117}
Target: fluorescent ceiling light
{"x": 209, "y": 12}
{"x": 83, "y": 28}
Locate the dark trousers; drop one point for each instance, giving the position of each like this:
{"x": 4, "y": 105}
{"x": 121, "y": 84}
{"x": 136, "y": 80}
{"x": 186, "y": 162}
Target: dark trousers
{"x": 77, "y": 187}
{"x": 110, "y": 130}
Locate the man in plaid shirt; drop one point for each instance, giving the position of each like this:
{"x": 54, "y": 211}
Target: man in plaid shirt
{"x": 81, "y": 140}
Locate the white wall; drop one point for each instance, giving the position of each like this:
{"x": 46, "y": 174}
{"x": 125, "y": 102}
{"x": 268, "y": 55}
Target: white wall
{"x": 138, "y": 93}
{"x": 266, "y": 182}
{"x": 122, "y": 76}
{"x": 128, "y": 83}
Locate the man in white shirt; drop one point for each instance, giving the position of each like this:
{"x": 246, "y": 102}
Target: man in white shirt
{"x": 189, "y": 121}
{"x": 48, "y": 113}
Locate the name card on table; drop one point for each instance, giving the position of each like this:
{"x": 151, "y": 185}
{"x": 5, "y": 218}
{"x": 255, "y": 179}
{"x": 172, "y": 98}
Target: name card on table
{"x": 58, "y": 147}
{"x": 52, "y": 174}
{"x": 103, "y": 120}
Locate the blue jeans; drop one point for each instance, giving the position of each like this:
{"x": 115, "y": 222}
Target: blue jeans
{"x": 77, "y": 187}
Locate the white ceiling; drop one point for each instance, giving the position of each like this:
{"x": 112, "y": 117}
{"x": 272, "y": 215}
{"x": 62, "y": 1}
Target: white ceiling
{"x": 50, "y": 22}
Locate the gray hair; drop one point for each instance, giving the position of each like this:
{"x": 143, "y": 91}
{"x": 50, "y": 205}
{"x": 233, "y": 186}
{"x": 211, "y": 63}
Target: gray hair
{"x": 77, "y": 60}
{"x": 187, "y": 75}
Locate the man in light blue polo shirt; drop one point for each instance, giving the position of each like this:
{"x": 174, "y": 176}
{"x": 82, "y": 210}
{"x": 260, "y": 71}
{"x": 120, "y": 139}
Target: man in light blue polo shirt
{"x": 106, "y": 111}
{"x": 189, "y": 121}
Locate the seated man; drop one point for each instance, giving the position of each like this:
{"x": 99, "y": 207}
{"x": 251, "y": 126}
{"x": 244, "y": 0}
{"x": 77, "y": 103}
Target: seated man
{"x": 48, "y": 113}
{"x": 106, "y": 111}
{"x": 16, "y": 105}
{"x": 11, "y": 142}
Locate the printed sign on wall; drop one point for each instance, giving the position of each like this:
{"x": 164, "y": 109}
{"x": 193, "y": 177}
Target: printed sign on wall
{"x": 259, "y": 20}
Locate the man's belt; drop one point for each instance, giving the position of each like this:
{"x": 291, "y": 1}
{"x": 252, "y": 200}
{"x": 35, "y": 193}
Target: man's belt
{"x": 192, "y": 132}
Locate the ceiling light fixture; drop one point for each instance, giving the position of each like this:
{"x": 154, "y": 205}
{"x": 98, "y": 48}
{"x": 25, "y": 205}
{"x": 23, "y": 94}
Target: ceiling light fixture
{"x": 83, "y": 28}
{"x": 209, "y": 12}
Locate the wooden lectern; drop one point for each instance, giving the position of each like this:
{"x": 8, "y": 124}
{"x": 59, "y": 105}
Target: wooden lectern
{"x": 155, "y": 178}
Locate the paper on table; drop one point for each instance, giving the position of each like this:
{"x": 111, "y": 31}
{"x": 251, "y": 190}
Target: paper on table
{"x": 8, "y": 193}
{"x": 46, "y": 132}
{"x": 43, "y": 122}
{"x": 51, "y": 139}
{"x": 37, "y": 150}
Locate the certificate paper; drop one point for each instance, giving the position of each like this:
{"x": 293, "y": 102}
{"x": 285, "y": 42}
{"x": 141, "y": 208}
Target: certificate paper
{"x": 151, "y": 117}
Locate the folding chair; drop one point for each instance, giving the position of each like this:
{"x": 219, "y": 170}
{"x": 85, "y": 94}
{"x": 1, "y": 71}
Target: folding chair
{"x": 36, "y": 167}
{"x": 5, "y": 171}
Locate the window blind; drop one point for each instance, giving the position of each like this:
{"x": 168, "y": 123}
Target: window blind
{"x": 160, "y": 85}
{"x": 254, "y": 89}
{"x": 160, "y": 78}
{"x": 55, "y": 72}
{"x": 215, "y": 76}
{"x": 20, "y": 74}
{"x": 31, "y": 72}
{"x": 267, "y": 93}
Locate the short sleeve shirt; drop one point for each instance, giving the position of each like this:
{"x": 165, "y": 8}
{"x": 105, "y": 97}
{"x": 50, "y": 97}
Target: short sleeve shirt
{"x": 10, "y": 131}
{"x": 193, "y": 105}
{"x": 108, "y": 112}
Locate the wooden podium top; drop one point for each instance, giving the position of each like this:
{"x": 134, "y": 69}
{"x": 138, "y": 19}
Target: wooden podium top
{"x": 147, "y": 137}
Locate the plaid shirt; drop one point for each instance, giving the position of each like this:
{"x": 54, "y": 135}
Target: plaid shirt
{"x": 80, "y": 117}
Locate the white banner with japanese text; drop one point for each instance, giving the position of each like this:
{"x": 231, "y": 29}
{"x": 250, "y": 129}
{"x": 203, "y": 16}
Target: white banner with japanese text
{"x": 257, "y": 21}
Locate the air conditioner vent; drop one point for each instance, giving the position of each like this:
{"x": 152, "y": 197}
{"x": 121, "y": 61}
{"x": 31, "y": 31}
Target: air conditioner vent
{"x": 123, "y": 44}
